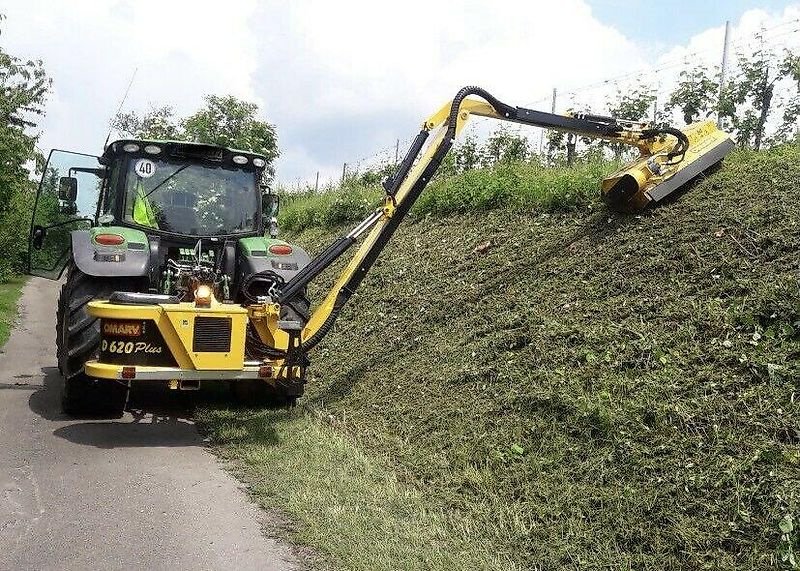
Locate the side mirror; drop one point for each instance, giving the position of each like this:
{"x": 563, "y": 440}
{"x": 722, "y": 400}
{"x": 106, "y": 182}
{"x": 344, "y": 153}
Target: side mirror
{"x": 68, "y": 188}
{"x": 38, "y": 237}
{"x": 270, "y": 204}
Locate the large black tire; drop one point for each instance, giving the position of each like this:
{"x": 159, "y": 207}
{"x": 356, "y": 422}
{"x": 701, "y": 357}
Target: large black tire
{"x": 78, "y": 340}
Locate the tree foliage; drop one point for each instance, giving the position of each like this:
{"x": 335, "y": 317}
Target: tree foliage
{"x": 750, "y": 97}
{"x": 223, "y": 120}
{"x": 24, "y": 86}
{"x": 790, "y": 69}
{"x": 632, "y": 105}
{"x": 156, "y": 123}
{"x": 467, "y": 154}
{"x": 696, "y": 94}
{"x": 505, "y": 146}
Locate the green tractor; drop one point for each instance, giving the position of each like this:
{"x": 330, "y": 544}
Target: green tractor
{"x": 156, "y": 217}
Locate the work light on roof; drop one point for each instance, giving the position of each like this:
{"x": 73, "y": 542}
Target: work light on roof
{"x": 130, "y": 147}
{"x": 259, "y": 162}
{"x": 240, "y": 160}
{"x": 152, "y": 149}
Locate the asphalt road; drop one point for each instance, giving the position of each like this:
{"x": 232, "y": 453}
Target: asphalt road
{"x": 110, "y": 494}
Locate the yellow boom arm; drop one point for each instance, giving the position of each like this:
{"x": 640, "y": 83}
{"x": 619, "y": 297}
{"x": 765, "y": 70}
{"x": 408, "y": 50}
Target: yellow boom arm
{"x": 668, "y": 160}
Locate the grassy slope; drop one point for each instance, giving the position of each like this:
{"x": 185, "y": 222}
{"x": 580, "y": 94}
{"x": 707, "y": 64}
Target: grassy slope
{"x": 9, "y": 295}
{"x": 519, "y": 186}
{"x": 594, "y": 391}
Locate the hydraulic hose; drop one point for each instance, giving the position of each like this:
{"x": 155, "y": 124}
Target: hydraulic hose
{"x": 680, "y": 147}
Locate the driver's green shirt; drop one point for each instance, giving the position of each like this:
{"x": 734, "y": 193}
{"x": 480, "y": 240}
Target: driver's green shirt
{"x": 142, "y": 209}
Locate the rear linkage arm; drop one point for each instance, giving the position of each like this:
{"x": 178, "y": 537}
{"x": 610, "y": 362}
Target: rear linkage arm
{"x": 413, "y": 175}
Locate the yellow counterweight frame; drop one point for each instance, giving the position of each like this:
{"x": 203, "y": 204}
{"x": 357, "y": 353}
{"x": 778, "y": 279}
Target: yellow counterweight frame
{"x": 175, "y": 323}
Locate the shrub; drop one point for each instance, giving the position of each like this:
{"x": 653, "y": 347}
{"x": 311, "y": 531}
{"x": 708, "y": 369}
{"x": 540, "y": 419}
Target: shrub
{"x": 518, "y": 185}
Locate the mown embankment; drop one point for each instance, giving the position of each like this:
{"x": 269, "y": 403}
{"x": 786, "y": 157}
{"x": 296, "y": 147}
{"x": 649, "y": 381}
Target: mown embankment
{"x": 553, "y": 389}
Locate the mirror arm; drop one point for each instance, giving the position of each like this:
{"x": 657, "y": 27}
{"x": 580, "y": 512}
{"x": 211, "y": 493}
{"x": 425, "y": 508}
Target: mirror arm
{"x": 98, "y": 172}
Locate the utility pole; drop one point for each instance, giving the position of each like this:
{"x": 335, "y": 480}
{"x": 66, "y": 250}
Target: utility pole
{"x": 722, "y": 71}
{"x": 655, "y": 107}
{"x": 344, "y": 171}
{"x": 552, "y": 110}
{"x": 316, "y": 184}
{"x": 396, "y": 151}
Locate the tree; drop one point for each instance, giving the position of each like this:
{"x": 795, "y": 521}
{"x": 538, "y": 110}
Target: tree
{"x": 156, "y": 123}
{"x": 224, "y": 120}
{"x": 632, "y": 105}
{"x": 696, "y": 94}
{"x": 24, "y": 86}
{"x": 749, "y": 98}
{"x": 467, "y": 154}
{"x": 557, "y": 148}
{"x": 231, "y": 122}
{"x": 504, "y": 147}
{"x": 790, "y": 68}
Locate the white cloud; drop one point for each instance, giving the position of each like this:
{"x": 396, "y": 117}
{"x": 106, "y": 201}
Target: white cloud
{"x": 370, "y": 72}
{"x": 339, "y": 79}
{"x": 778, "y": 30}
{"x": 182, "y": 50}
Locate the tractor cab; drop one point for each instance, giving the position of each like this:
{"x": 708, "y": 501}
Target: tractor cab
{"x": 176, "y": 191}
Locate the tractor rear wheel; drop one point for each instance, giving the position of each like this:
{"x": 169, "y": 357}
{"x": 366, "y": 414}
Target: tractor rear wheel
{"x": 78, "y": 340}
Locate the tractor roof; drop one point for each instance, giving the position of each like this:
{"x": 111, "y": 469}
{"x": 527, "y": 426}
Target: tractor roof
{"x": 186, "y": 149}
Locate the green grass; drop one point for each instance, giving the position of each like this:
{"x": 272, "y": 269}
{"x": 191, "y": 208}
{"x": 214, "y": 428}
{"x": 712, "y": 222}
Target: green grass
{"x": 348, "y": 504}
{"x": 327, "y": 209}
{"x": 516, "y": 186}
{"x": 9, "y": 295}
{"x": 594, "y": 391}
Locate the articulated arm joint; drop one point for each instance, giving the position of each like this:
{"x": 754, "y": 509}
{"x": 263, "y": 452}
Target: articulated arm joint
{"x": 389, "y": 205}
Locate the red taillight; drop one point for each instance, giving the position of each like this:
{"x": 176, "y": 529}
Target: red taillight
{"x": 265, "y": 371}
{"x": 280, "y": 249}
{"x": 109, "y": 239}
{"x": 128, "y": 372}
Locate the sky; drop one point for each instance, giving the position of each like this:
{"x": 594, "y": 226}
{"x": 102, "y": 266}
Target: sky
{"x": 665, "y": 23}
{"x": 344, "y": 81}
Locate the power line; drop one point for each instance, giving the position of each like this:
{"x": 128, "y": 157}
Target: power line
{"x": 765, "y": 36}
{"x": 669, "y": 64}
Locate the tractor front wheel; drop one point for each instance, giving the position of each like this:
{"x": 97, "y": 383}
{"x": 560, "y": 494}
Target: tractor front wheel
{"x": 78, "y": 340}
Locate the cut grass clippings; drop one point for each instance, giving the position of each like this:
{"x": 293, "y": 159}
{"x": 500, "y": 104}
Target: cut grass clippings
{"x": 588, "y": 391}
{"x": 9, "y": 296}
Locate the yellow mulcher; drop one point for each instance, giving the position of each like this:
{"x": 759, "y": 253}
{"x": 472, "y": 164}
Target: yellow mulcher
{"x": 175, "y": 274}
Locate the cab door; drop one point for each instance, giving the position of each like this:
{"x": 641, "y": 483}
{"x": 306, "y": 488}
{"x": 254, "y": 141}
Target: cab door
{"x": 67, "y": 200}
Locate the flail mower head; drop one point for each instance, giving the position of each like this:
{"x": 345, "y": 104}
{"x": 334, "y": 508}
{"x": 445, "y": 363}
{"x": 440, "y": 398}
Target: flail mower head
{"x": 665, "y": 168}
